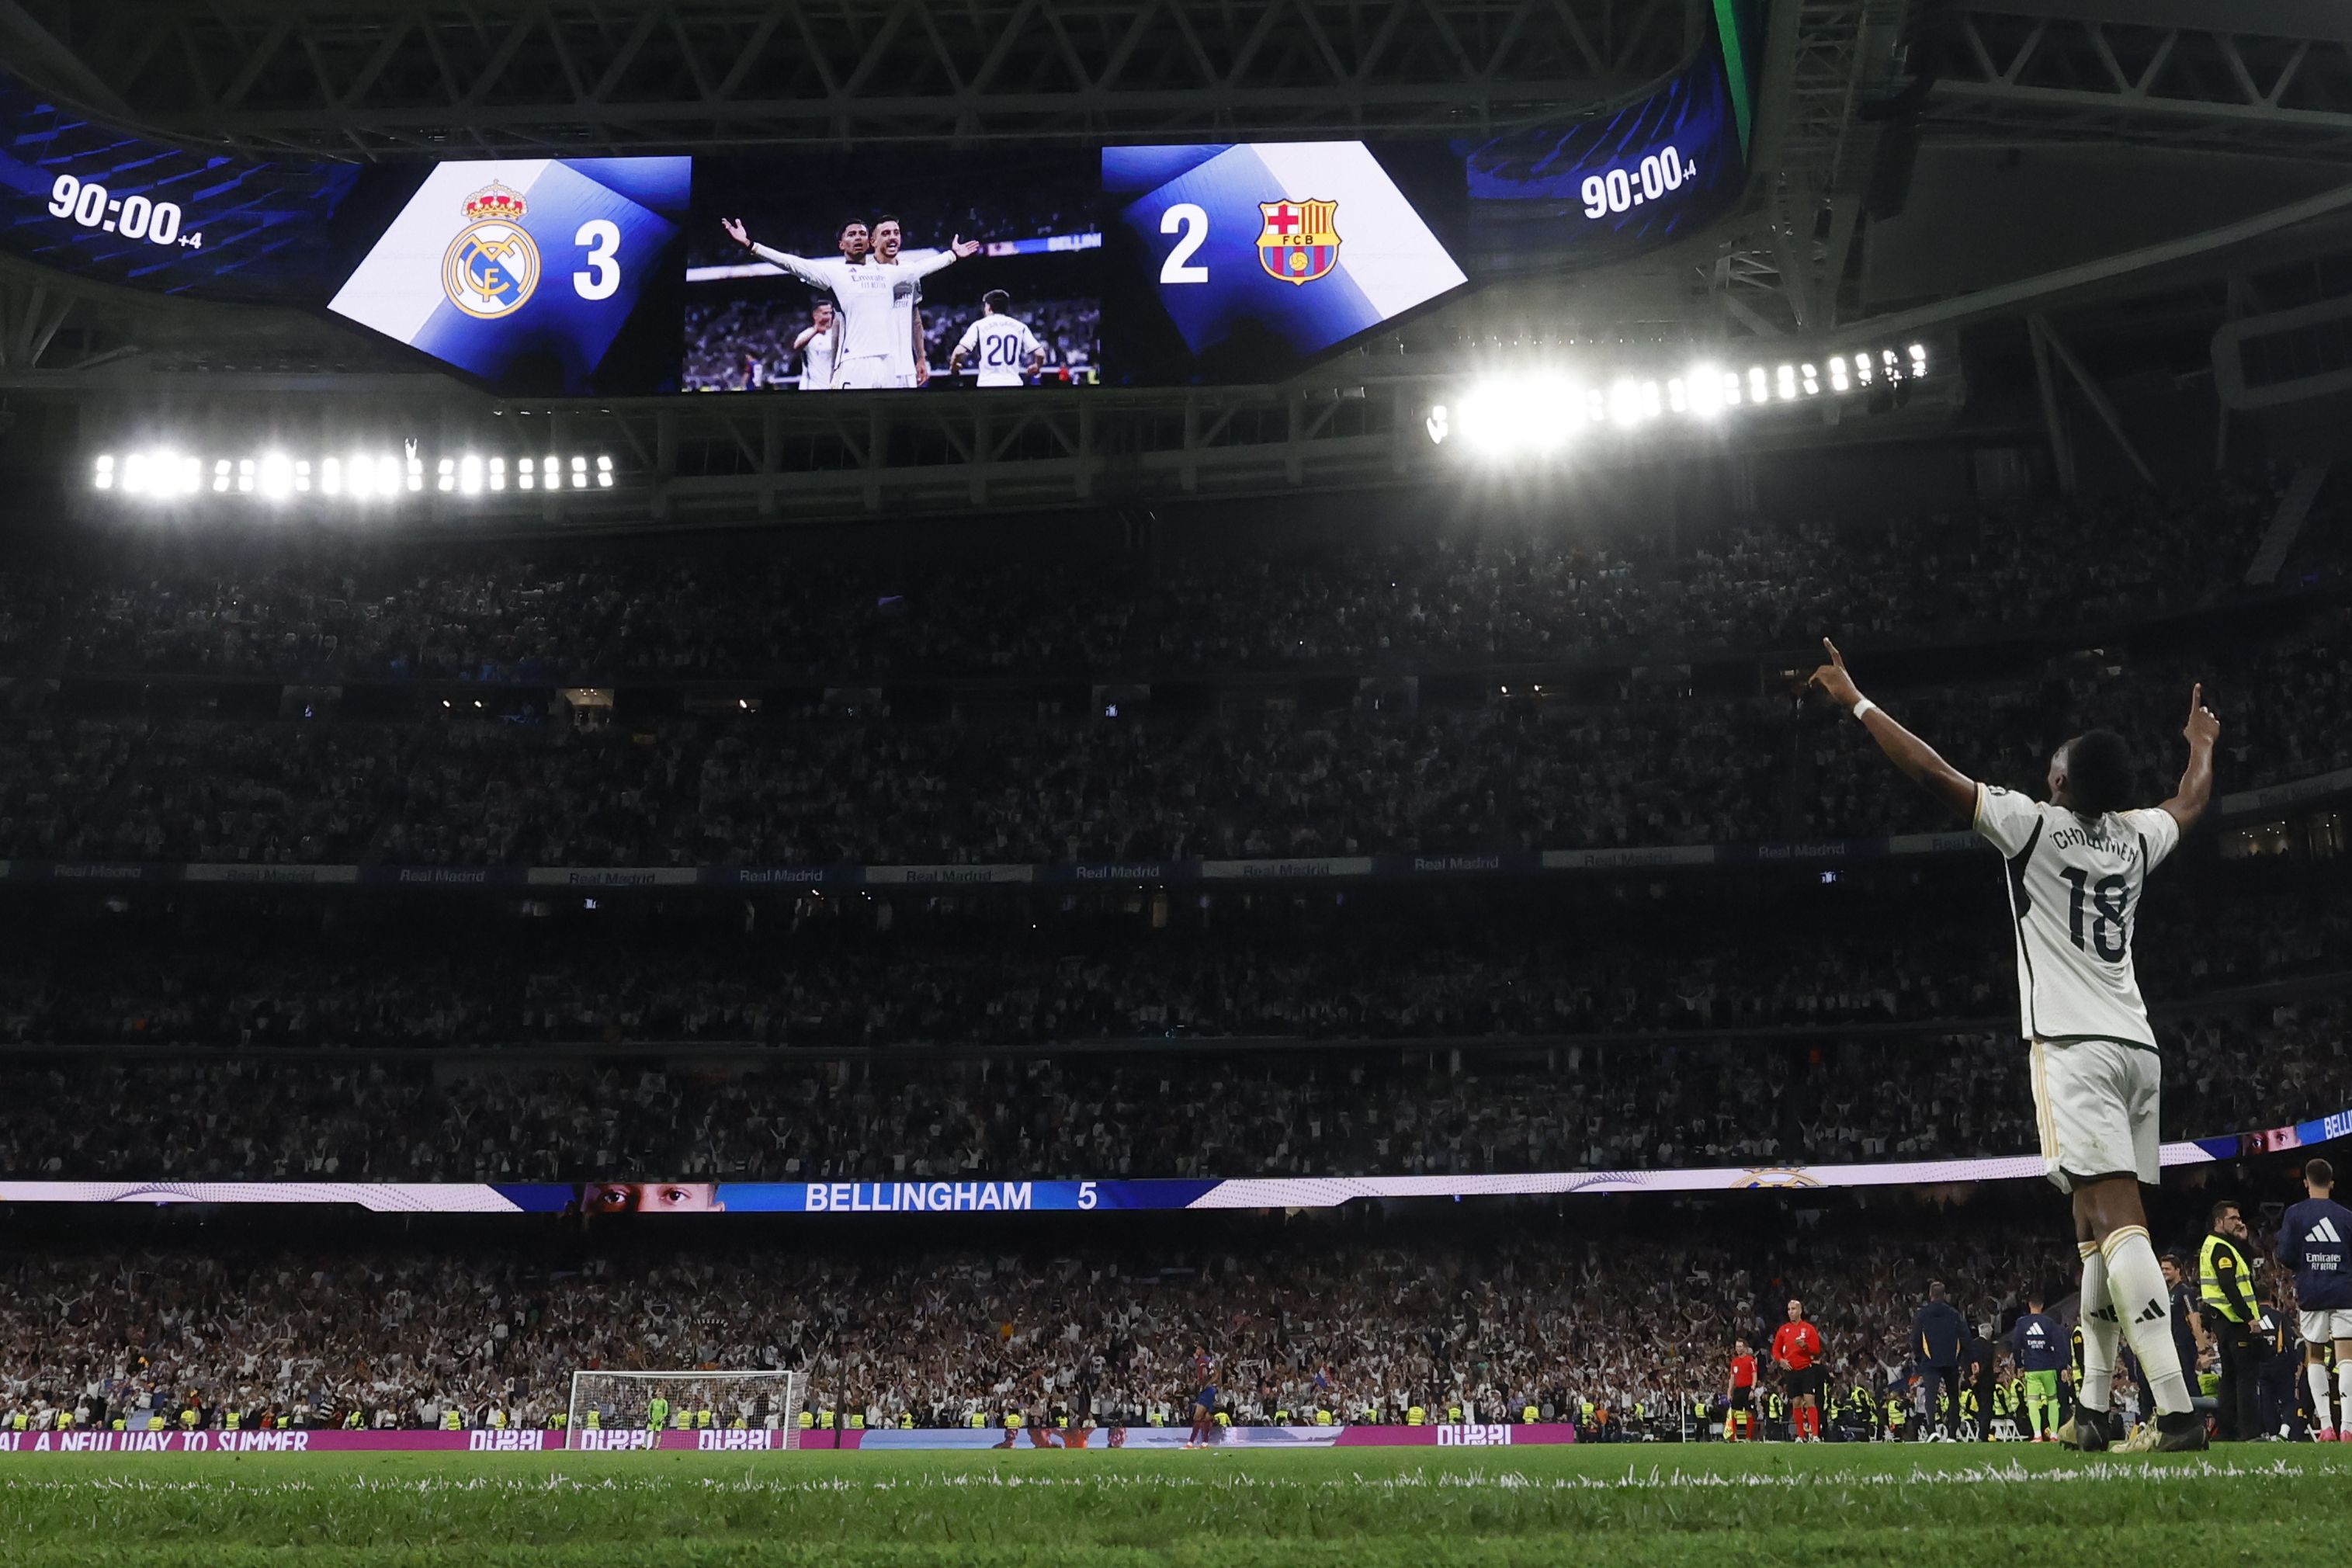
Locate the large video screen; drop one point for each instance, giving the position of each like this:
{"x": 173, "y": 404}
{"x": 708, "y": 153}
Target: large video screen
{"x": 893, "y": 270}
{"x": 899, "y": 268}
{"x": 534, "y": 275}
{"x": 1246, "y": 262}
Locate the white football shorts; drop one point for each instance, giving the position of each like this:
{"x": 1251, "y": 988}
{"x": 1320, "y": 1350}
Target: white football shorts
{"x": 2327, "y": 1325}
{"x": 2096, "y": 1102}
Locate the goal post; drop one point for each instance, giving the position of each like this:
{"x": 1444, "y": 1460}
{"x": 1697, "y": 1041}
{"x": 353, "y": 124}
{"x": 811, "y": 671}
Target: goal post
{"x": 686, "y": 1402}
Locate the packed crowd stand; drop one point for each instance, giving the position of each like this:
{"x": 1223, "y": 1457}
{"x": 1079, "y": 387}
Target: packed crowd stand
{"x": 1711, "y": 953}
{"x": 1660, "y": 1104}
{"x": 1511, "y": 772}
{"x": 657, "y": 610}
{"x": 1624, "y": 1336}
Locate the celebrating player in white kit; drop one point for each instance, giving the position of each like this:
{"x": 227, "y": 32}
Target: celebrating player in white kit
{"x": 1005, "y": 350}
{"x": 872, "y": 302}
{"x": 816, "y": 345}
{"x": 2077, "y": 865}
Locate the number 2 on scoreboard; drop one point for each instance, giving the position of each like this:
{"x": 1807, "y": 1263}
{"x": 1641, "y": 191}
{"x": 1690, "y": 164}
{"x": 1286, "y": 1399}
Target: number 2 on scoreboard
{"x": 1193, "y": 219}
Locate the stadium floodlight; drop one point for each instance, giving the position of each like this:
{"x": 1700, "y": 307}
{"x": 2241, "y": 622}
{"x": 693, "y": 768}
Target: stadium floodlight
{"x": 103, "y": 475}
{"x": 275, "y": 476}
{"x": 498, "y": 473}
{"x": 245, "y": 476}
{"x": 618, "y": 1409}
{"x": 302, "y": 476}
{"x": 469, "y": 475}
{"x": 1788, "y": 382}
{"x": 604, "y": 472}
{"x": 1519, "y": 414}
{"x": 1812, "y": 380}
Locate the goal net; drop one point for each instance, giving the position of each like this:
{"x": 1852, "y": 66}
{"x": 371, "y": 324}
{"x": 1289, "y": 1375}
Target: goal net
{"x": 607, "y": 1403}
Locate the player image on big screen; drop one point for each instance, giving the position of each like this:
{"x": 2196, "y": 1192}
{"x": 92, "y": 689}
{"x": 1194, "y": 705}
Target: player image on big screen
{"x": 897, "y": 270}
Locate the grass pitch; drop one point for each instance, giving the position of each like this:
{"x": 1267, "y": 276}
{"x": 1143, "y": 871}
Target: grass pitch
{"x": 1829, "y": 1505}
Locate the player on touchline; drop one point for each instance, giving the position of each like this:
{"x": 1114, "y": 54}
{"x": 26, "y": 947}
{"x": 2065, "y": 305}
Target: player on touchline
{"x": 873, "y": 299}
{"x": 2077, "y": 865}
{"x": 2315, "y": 1240}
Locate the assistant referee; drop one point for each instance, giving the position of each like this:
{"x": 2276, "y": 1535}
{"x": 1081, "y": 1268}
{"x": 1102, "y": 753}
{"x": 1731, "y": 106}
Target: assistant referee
{"x": 1797, "y": 1351}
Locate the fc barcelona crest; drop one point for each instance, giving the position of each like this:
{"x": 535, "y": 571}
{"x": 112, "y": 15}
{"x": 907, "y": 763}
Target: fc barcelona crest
{"x": 1301, "y": 241}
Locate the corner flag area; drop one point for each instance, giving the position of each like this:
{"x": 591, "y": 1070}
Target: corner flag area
{"x": 1630, "y": 1504}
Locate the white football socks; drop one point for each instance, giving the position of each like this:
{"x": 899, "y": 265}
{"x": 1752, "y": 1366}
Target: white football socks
{"x": 2316, "y": 1373}
{"x": 2139, "y": 1301}
{"x": 2343, "y": 1391}
{"x": 2100, "y": 1333}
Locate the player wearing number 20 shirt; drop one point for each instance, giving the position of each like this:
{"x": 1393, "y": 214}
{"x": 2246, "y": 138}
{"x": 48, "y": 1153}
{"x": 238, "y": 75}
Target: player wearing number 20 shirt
{"x": 2076, "y": 866}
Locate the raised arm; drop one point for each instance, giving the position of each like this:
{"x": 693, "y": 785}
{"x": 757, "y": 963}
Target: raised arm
{"x": 1918, "y": 760}
{"x": 2195, "y": 790}
{"x": 957, "y": 249}
{"x": 798, "y": 266}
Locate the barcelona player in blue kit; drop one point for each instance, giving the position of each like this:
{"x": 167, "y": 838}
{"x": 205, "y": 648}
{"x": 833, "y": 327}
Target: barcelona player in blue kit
{"x": 1204, "y": 1403}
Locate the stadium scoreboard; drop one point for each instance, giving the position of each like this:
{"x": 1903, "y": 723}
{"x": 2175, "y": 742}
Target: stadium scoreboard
{"x": 1228, "y": 263}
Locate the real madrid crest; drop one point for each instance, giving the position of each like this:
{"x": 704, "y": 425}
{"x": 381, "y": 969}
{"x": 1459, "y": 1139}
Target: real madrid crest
{"x": 492, "y": 265}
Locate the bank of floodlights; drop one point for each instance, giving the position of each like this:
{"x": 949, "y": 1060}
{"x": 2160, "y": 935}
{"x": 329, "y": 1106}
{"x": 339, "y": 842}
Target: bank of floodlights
{"x": 1538, "y": 412}
{"x": 360, "y": 474}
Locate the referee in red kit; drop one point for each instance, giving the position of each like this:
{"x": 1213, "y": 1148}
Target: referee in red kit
{"x": 1797, "y": 1351}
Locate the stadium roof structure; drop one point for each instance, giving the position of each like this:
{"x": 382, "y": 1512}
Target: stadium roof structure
{"x": 403, "y": 78}
{"x": 2234, "y": 120}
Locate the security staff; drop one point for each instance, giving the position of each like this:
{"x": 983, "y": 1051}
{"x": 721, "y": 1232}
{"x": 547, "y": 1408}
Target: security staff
{"x": 2226, "y": 1288}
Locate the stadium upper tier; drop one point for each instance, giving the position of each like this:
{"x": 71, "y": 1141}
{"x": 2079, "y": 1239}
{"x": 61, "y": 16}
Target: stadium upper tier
{"x": 1649, "y": 761}
{"x": 1663, "y": 1104}
{"x": 1897, "y": 951}
{"x": 1560, "y": 594}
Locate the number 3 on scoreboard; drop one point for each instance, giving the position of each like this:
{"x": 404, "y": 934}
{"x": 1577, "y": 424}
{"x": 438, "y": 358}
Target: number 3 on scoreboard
{"x": 1193, "y": 219}
{"x": 601, "y": 235}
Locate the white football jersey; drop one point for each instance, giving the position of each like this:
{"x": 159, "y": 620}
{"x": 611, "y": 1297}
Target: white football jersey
{"x": 873, "y": 305}
{"x": 1000, "y": 348}
{"x": 2075, "y": 885}
{"x": 817, "y": 360}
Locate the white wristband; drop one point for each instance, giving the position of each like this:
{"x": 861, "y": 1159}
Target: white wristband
{"x": 1864, "y": 709}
